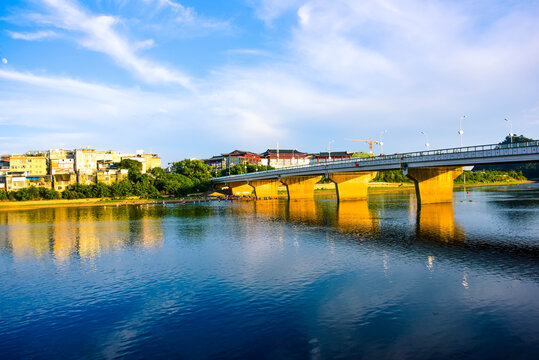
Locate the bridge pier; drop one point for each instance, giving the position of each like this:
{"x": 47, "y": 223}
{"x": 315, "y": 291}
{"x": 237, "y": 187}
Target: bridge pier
{"x": 300, "y": 187}
{"x": 265, "y": 188}
{"x": 434, "y": 184}
{"x": 352, "y": 185}
{"x": 240, "y": 188}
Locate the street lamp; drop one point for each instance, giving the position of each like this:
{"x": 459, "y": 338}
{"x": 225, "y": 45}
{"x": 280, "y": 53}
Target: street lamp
{"x": 461, "y": 131}
{"x": 426, "y": 139}
{"x": 381, "y": 142}
{"x": 329, "y": 150}
{"x": 510, "y": 128}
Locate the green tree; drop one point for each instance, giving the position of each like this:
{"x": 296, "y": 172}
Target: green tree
{"x": 516, "y": 139}
{"x": 198, "y": 172}
{"x": 130, "y": 164}
{"x": 362, "y": 154}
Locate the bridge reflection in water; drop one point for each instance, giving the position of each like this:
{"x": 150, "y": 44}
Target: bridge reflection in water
{"x": 432, "y": 222}
{"x": 437, "y": 222}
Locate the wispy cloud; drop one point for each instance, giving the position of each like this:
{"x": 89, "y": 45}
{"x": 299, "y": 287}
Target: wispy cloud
{"x": 99, "y": 34}
{"x": 40, "y": 35}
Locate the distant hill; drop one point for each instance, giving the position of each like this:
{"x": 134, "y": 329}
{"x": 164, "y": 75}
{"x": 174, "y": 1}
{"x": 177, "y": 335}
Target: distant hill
{"x": 529, "y": 170}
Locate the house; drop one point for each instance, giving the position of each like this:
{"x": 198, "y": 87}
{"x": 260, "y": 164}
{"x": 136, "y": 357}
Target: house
{"x": 217, "y": 162}
{"x": 285, "y": 157}
{"x": 62, "y": 182}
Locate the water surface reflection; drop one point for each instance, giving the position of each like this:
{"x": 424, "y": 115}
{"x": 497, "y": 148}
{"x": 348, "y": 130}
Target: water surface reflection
{"x": 274, "y": 279}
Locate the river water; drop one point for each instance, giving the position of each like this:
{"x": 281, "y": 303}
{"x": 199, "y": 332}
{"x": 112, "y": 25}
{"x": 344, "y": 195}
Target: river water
{"x": 275, "y": 279}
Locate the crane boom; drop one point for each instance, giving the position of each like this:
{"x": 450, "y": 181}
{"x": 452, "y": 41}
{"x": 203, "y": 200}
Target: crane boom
{"x": 370, "y": 142}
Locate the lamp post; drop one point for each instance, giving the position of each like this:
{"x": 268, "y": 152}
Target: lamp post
{"x": 329, "y": 150}
{"x": 426, "y": 139}
{"x": 460, "y": 129}
{"x": 381, "y": 142}
{"x": 510, "y": 128}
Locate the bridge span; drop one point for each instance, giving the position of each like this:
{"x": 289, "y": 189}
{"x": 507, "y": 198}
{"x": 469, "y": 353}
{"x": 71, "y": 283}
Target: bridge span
{"x": 433, "y": 172}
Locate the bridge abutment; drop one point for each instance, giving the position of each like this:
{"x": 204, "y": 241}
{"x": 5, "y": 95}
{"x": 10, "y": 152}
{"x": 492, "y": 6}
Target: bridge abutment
{"x": 300, "y": 187}
{"x": 352, "y": 185}
{"x": 265, "y": 188}
{"x": 434, "y": 185}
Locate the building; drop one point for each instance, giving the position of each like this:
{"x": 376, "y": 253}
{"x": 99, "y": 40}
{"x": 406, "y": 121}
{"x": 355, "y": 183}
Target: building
{"x": 148, "y": 161}
{"x": 61, "y": 161}
{"x": 108, "y": 155}
{"x": 32, "y": 165}
{"x": 236, "y": 157}
{"x": 110, "y": 176}
{"x": 285, "y": 157}
{"x": 16, "y": 180}
{"x": 62, "y": 182}
{"x": 87, "y": 178}
{"x": 323, "y": 157}
{"x": 217, "y": 162}
{"x": 85, "y": 161}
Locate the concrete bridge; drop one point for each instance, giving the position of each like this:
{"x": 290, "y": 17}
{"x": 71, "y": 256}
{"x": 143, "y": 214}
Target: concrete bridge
{"x": 433, "y": 172}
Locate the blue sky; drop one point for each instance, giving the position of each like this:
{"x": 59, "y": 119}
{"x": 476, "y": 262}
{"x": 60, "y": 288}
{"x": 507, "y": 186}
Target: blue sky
{"x": 197, "y": 78}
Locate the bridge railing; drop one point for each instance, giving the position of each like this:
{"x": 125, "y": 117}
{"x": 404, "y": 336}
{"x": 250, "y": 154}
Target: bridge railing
{"x": 459, "y": 150}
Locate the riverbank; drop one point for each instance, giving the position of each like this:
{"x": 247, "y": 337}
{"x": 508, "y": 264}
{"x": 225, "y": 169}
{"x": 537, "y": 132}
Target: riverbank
{"x": 319, "y": 189}
{"x": 35, "y": 204}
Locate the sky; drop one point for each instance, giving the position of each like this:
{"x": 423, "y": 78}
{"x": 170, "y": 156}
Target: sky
{"x": 192, "y": 79}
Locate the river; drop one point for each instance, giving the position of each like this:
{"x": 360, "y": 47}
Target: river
{"x": 275, "y": 279}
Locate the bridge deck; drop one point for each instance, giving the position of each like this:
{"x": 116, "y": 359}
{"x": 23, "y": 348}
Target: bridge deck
{"x": 465, "y": 156}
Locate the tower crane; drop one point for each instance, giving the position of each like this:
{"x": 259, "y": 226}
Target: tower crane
{"x": 370, "y": 142}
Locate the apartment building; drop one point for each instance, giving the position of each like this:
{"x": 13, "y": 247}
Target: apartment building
{"x": 34, "y": 165}
{"x": 61, "y": 161}
{"x": 85, "y": 161}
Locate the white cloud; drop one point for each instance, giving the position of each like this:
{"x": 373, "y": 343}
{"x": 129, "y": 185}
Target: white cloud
{"x": 40, "y": 35}
{"x": 99, "y": 35}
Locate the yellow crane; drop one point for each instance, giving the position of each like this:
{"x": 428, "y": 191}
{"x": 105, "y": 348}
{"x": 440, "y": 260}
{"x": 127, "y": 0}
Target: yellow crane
{"x": 370, "y": 142}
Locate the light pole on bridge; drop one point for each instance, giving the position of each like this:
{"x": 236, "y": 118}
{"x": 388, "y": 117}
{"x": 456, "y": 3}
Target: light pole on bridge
{"x": 460, "y": 129}
{"x": 510, "y": 128}
{"x": 426, "y": 139}
{"x": 329, "y": 150}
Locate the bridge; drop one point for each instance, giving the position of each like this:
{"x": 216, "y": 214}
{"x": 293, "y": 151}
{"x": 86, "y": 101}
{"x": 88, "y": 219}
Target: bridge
{"x": 432, "y": 171}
